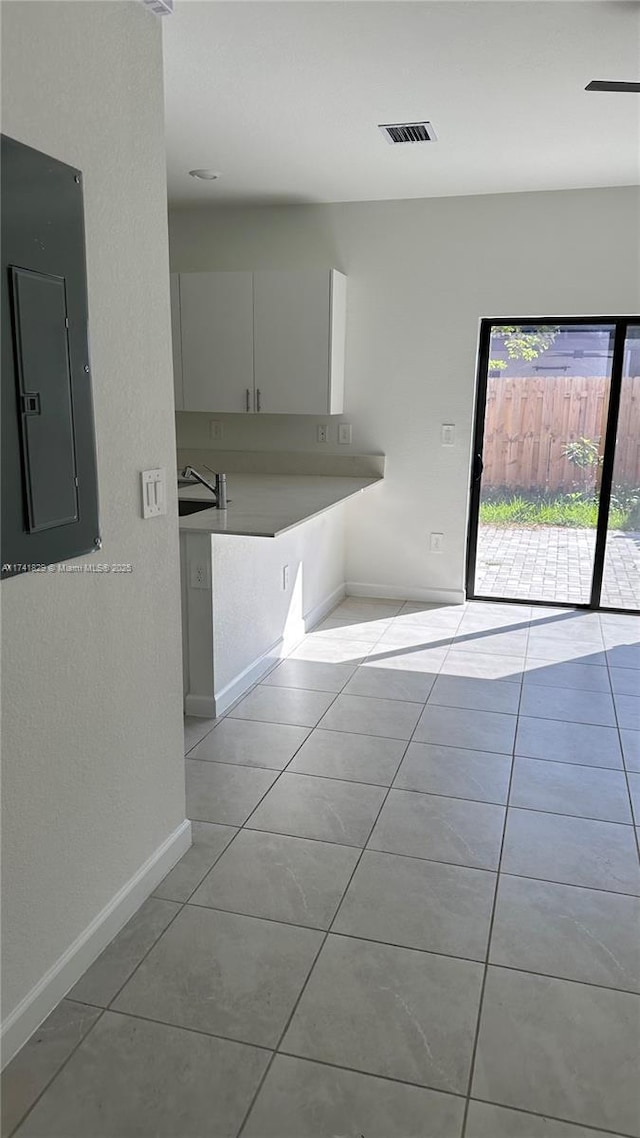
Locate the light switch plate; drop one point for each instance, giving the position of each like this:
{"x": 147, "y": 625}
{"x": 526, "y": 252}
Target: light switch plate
{"x": 154, "y": 496}
{"x": 216, "y": 430}
{"x": 344, "y": 434}
{"x": 436, "y": 542}
{"x": 448, "y": 434}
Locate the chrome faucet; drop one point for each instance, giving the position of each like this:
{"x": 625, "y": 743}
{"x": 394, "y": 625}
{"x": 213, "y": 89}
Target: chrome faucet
{"x": 219, "y": 489}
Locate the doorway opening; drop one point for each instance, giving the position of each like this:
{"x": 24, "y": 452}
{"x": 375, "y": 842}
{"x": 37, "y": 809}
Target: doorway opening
{"x": 555, "y": 492}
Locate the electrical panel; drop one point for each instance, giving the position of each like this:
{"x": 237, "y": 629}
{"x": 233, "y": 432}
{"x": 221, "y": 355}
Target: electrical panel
{"x": 49, "y": 480}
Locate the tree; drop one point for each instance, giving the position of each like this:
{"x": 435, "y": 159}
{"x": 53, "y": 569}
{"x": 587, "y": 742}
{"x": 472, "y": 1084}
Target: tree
{"x": 585, "y": 454}
{"x": 521, "y": 345}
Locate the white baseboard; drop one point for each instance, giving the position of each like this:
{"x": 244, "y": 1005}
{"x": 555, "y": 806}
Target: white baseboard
{"x": 47, "y": 993}
{"x": 316, "y": 614}
{"x": 202, "y": 706}
{"x": 402, "y": 593}
{"x": 250, "y": 675}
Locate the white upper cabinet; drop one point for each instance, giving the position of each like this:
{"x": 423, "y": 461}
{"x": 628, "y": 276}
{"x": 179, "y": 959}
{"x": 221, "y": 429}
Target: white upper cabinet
{"x": 299, "y": 328}
{"x": 216, "y": 313}
{"x": 264, "y": 342}
{"x": 174, "y": 284}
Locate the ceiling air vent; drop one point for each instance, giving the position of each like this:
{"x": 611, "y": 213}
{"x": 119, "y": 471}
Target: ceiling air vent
{"x": 160, "y": 7}
{"x": 408, "y": 132}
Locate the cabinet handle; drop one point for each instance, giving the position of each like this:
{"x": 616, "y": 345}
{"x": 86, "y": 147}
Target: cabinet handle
{"x": 248, "y": 400}
{"x": 258, "y": 399}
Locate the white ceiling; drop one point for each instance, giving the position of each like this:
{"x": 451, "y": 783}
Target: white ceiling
{"x": 284, "y": 99}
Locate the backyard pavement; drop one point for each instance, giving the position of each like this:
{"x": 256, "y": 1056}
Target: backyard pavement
{"x": 552, "y": 563}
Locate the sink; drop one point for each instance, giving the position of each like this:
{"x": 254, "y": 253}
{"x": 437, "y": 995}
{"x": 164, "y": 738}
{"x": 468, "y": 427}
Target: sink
{"x": 192, "y": 506}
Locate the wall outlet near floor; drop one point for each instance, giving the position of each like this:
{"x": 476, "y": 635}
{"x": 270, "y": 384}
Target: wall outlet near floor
{"x": 323, "y": 433}
{"x": 216, "y": 429}
{"x": 448, "y": 434}
{"x": 199, "y": 575}
{"x": 285, "y": 578}
{"x": 436, "y": 542}
{"x": 344, "y": 434}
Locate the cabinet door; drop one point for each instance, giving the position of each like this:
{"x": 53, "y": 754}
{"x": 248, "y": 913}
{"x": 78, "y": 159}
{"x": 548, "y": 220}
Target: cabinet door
{"x": 174, "y": 283}
{"x": 292, "y": 342}
{"x": 217, "y": 341}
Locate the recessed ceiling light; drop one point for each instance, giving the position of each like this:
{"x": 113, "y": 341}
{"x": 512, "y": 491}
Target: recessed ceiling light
{"x": 204, "y": 175}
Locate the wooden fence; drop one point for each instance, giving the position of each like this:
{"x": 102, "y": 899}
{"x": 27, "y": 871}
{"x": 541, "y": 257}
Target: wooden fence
{"x": 530, "y": 420}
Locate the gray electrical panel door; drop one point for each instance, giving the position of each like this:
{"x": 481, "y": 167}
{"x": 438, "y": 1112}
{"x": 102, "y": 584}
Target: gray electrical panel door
{"x": 49, "y": 489}
{"x": 40, "y": 321}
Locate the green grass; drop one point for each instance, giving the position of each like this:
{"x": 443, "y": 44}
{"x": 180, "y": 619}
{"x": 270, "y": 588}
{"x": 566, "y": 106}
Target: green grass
{"x": 568, "y": 510}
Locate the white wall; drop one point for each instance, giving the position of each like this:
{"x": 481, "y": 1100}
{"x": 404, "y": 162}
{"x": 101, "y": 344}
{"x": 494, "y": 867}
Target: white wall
{"x": 421, "y": 274}
{"x": 252, "y": 611}
{"x": 92, "y": 729}
{"x": 254, "y": 619}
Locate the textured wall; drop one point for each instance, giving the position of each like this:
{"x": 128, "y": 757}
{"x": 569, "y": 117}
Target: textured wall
{"x": 252, "y": 611}
{"x": 92, "y": 730}
{"x": 421, "y": 274}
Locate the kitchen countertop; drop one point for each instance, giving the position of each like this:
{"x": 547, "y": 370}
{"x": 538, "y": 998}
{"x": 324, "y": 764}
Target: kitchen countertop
{"x": 266, "y": 505}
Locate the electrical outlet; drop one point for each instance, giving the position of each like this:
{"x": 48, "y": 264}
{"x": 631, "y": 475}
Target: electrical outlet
{"x": 285, "y": 578}
{"x": 216, "y": 429}
{"x": 323, "y": 433}
{"x": 447, "y": 434}
{"x": 154, "y": 499}
{"x": 199, "y": 575}
{"x": 436, "y": 542}
{"x": 344, "y": 434}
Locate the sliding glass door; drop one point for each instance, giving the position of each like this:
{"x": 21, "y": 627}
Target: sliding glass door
{"x": 555, "y": 495}
{"x": 621, "y": 574}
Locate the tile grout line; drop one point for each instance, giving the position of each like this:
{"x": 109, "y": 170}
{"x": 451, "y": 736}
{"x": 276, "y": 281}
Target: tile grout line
{"x": 333, "y": 1066}
{"x": 207, "y": 871}
{"x": 309, "y": 974}
{"x": 327, "y": 1063}
{"x": 396, "y": 944}
{"x": 286, "y": 767}
{"x": 522, "y": 678}
{"x": 635, "y": 822}
{"x": 393, "y": 786}
{"x": 108, "y": 1007}
{"x": 483, "y": 985}
{"x": 63, "y": 1065}
{"x": 412, "y": 738}
{"x": 454, "y": 864}
{"x": 312, "y": 966}
{"x": 396, "y": 739}
{"x": 181, "y": 905}
{"x": 553, "y": 1118}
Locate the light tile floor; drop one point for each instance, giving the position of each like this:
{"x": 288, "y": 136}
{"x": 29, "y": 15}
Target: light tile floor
{"x": 411, "y": 910}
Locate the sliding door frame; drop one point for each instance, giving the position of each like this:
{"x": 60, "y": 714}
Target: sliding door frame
{"x": 620, "y": 325}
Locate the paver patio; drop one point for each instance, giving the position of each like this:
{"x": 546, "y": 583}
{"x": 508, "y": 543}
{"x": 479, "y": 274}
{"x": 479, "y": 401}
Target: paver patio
{"x": 552, "y": 563}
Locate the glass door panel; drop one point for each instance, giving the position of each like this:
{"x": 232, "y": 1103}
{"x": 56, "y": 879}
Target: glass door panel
{"x": 621, "y": 576}
{"x": 543, "y": 406}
